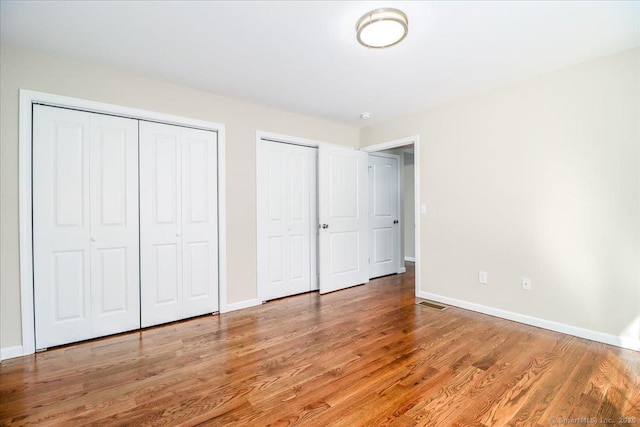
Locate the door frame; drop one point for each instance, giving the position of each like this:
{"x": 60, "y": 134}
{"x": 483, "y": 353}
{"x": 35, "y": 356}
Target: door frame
{"x": 399, "y": 211}
{"x": 27, "y": 99}
{"x": 260, "y": 258}
{"x": 396, "y": 143}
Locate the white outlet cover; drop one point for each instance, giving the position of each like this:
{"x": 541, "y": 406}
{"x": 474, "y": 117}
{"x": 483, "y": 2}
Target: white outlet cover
{"x": 483, "y": 277}
{"x": 526, "y": 283}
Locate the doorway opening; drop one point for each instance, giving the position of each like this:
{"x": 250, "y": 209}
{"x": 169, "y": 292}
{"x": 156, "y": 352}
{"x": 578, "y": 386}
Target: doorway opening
{"x": 408, "y": 152}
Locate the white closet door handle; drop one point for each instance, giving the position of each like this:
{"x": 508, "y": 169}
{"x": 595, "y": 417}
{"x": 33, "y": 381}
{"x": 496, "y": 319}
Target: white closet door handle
{"x": 178, "y": 234}
{"x": 93, "y": 239}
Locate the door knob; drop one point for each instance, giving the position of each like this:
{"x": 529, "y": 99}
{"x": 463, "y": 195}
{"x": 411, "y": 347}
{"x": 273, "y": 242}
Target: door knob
{"x": 178, "y": 234}
{"x": 93, "y": 239}
{"x": 325, "y": 225}
{"x": 395, "y": 221}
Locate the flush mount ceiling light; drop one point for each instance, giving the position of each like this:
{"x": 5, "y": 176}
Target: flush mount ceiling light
{"x": 382, "y": 28}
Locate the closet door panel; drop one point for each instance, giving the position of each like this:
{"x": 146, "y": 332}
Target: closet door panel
{"x": 115, "y": 280}
{"x": 60, "y": 225}
{"x": 285, "y": 187}
{"x": 160, "y": 223}
{"x": 199, "y": 222}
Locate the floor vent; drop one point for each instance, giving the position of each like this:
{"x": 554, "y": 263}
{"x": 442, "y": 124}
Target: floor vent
{"x": 432, "y": 305}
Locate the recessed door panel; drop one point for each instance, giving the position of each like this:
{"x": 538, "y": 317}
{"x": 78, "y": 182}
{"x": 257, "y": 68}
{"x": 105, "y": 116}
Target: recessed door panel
{"x": 384, "y": 191}
{"x": 69, "y": 286}
{"x": 112, "y": 280}
{"x": 196, "y": 283}
{"x": 345, "y": 252}
{"x": 276, "y": 185}
{"x": 382, "y": 245}
{"x": 166, "y": 178}
{"x": 344, "y": 186}
{"x": 298, "y": 199}
{"x": 296, "y": 253}
{"x": 112, "y": 176}
{"x": 165, "y": 261}
{"x": 197, "y": 177}
{"x": 69, "y": 164}
{"x": 276, "y": 260}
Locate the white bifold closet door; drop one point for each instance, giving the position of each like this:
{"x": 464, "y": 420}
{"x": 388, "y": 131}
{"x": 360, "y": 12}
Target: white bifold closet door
{"x": 85, "y": 225}
{"x": 287, "y": 219}
{"x": 178, "y": 223}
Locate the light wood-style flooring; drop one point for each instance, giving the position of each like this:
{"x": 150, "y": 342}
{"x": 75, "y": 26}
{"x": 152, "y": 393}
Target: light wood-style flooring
{"x": 364, "y": 356}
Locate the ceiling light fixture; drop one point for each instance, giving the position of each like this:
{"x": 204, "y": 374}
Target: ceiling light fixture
{"x": 382, "y": 28}
{"x": 365, "y": 116}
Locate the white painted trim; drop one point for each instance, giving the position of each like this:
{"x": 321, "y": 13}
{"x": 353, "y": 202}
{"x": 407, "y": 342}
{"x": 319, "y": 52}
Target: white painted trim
{"x": 402, "y": 270}
{"x": 624, "y": 342}
{"x": 27, "y": 99}
{"x": 222, "y": 222}
{"x": 243, "y": 304}
{"x": 410, "y": 259}
{"x": 415, "y": 140}
{"x": 26, "y": 222}
{"x": 391, "y": 144}
{"x": 11, "y": 352}
{"x": 287, "y": 139}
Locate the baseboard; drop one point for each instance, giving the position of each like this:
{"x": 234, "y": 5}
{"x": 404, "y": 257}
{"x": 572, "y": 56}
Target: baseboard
{"x": 11, "y": 352}
{"x": 623, "y": 342}
{"x": 241, "y": 304}
{"x": 410, "y": 259}
{"x": 402, "y": 270}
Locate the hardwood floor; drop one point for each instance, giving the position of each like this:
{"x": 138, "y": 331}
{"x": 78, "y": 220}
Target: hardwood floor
{"x": 359, "y": 357}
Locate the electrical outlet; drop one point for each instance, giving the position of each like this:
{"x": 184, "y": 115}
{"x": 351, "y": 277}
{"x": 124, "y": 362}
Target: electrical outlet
{"x": 483, "y": 277}
{"x": 526, "y": 283}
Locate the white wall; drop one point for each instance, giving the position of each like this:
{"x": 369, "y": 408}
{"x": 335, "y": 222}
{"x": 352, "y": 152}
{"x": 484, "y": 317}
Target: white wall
{"x": 539, "y": 179}
{"x": 23, "y": 69}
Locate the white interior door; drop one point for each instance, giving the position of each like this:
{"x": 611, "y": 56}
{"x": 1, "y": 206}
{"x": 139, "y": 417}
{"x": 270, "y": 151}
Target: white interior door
{"x": 342, "y": 189}
{"x": 286, "y": 179}
{"x": 384, "y": 234}
{"x": 85, "y": 204}
{"x": 178, "y": 223}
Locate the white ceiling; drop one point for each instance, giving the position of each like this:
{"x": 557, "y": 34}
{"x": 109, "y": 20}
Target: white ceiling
{"x": 303, "y": 56}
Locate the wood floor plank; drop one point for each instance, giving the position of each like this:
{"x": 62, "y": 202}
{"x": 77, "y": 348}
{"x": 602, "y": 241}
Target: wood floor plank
{"x": 364, "y": 356}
